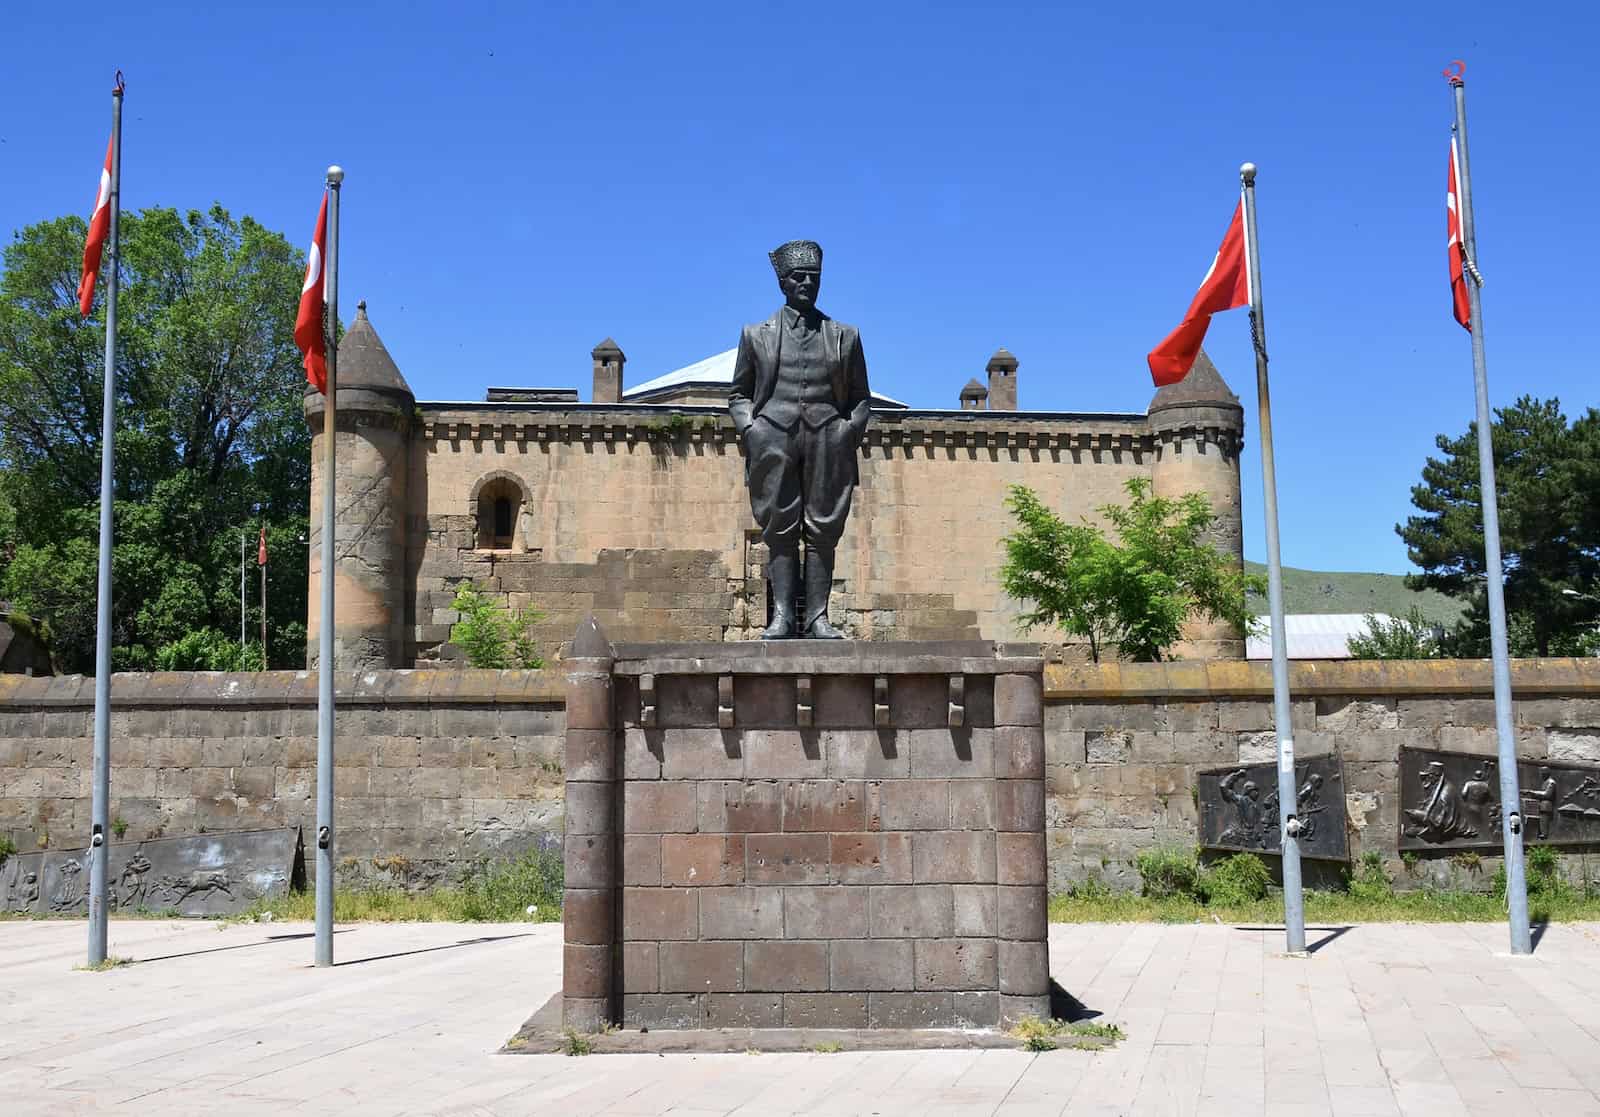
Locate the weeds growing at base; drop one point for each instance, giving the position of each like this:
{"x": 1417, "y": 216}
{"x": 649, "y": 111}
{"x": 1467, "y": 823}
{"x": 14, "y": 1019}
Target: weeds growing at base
{"x": 491, "y": 892}
{"x": 109, "y": 962}
{"x": 1038, "y": 1034}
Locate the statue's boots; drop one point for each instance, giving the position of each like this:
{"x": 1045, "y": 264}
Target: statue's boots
{"x": 783, "y": 578}
{"x": 819, "y": 586}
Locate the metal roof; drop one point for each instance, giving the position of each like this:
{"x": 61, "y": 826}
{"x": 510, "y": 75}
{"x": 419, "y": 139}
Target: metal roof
{"x": 714, "y": 370}
{"x": 1311, "y": 635}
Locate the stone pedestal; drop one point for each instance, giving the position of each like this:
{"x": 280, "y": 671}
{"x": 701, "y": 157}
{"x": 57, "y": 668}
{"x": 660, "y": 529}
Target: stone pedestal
{"x": 805, "y": 834}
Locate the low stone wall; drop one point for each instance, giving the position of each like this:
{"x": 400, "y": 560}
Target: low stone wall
{"x": 1124, "y": 743}
{"x": 439, "y": 768}
{"x": 435, "y": 770}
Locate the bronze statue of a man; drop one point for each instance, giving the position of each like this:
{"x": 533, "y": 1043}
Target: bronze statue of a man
{"x": 801, "y": 406}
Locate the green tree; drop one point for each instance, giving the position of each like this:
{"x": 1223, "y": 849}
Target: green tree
{"x": 209, "y": 430}
{"x": 1135, "y": 593}
{"x": 492, "y": 636}
{"x": 1547, "y": 481}
{"x": 1407, "y": 637}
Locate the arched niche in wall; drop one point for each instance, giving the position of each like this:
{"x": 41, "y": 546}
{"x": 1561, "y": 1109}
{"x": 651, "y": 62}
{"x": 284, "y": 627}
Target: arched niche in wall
{"x": 498, "y": 504}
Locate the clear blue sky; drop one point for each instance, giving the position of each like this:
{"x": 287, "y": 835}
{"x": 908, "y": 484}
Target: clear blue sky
{"x": 525, "y": 180}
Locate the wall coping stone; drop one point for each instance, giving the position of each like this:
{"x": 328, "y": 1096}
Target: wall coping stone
{"x": 352, "y": 689}
{"x": 1312, "y": 678}
{"x": 1197, "y": 679}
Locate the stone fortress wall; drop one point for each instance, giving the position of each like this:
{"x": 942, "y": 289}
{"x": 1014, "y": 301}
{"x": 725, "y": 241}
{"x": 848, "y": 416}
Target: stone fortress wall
{"x": 637, "y": 513}
{"x": 437, "y": 768}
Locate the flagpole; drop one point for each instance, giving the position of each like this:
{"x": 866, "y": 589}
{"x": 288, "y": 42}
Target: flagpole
{"x": 100, "y": 805}
{"x": 1510, "y": 791}
{"x": 244, "y": 551}
{"x": 1294, "y": 911}
{"x": 264, "y": 616}
{"x": 324, "y": 898}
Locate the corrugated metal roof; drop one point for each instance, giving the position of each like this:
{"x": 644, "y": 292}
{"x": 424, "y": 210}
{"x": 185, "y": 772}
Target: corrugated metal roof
{"x": 716, "y": 369}
{"x": 1311, "y": 635}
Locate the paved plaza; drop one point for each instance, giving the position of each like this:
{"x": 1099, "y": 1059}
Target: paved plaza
{"x": 1380, "y": 1019}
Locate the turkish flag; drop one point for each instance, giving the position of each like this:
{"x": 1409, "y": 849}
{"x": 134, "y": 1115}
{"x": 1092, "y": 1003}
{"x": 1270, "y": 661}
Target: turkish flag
{"x": 99, "y": 231}
{"x": 308, "y": 328}
{"x": 1226, "y": 285}
{"x": 1453, "y": 245}
{"x": 261, "y": 548}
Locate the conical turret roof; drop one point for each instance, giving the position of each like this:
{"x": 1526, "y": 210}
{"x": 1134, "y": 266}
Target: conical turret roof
{"x": 1204, "y": 385}
{"x": 363, "y": 360}
{"x": 974, "y": 390}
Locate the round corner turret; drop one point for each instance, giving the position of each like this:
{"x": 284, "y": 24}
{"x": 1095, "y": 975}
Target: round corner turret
{"x": 1197, "y": 426}
{"x": 372, "y": 455}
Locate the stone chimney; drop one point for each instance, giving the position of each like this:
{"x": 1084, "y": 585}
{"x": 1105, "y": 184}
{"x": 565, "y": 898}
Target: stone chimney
{"x": 1002, "y": 370}
{"x": 973, "y": 396}
{"x": 608, "y": 362}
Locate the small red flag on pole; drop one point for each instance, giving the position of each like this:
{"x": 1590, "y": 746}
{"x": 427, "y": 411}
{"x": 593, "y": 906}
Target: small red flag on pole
{"x": 99, "y": 233}
{"x": 1226, "y": 286}
{"x": 261, "y": 549}
{"x": 308, "y": 328}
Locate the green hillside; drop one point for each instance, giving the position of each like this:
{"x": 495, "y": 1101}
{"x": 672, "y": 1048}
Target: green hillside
{"x": 1322, "y": 591}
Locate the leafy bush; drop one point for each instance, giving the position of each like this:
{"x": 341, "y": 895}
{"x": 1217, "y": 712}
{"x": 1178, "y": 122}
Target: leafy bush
{"x": 499, "y": 890}
{"x": 207, "y": 649}
{"x": 1165, "y": 872}
{"x": 1541, "y": 870}
{"x": 1370, "y": 881}
{"x": 1090, "y": 888}
{"x": 1133, "y": 594}
{"x": 1409, "y": 637}
{"x": 492, "y": 636}
{"x": 1240, "y": 879}
{"x": 7, "y": 848}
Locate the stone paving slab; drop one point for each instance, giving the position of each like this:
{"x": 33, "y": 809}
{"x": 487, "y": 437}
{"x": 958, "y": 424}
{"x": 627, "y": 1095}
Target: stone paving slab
{"x": 1380, "y": 1019}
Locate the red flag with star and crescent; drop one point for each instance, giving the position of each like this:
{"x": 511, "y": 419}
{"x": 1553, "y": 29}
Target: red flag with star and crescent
{"x": 308, "y": 328}
{"x": 1226, "y": 286}
{"x": 1459, "y": 302}
{"x": 99, "y": 233}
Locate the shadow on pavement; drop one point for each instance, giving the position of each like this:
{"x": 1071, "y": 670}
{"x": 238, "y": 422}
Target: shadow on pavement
{"x": 431, "y": 949}
{"x": 268, "y": 941}
{"x": 1064, "y": 1006}
{"x": 1328, "y": 934}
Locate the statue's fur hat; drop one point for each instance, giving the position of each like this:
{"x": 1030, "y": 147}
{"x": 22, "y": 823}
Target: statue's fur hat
{"x": 795, "y": 254}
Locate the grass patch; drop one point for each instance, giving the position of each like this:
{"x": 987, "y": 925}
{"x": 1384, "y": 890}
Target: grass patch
{"x": 1042, "y": 1035}
{"x": 109, "y": 962}
{"x": 574, "y": 1042}
{"x": 493, "y": 892}
{"x": 1234, "y": 890}
{"x": 828, "y": 1047}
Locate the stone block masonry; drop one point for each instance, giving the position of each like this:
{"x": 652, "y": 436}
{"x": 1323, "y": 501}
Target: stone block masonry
{"x": 809, "y": 834}
{"x": 1124, "y": 744}
{"x": 440, "y": 769}
{"x": 436, "y": 770}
